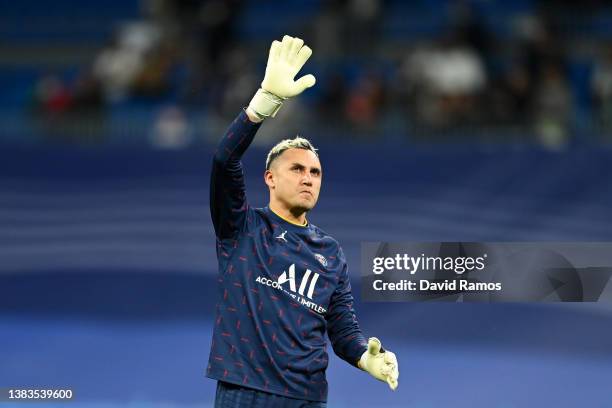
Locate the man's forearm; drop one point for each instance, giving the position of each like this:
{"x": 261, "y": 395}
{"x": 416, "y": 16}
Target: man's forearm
{"x": 227, "y": 187}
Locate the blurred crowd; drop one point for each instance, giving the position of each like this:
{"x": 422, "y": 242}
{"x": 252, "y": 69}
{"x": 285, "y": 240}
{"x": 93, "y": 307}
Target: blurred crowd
{"x": 463, "y": 81}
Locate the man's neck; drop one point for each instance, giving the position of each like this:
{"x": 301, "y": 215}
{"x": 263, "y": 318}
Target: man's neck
{"x": 287, "y": 215}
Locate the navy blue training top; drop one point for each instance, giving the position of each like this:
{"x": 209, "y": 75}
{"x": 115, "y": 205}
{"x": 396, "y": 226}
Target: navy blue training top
{"x": 281, "y": 287}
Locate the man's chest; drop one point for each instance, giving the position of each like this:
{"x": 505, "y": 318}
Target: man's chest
{"x": 298, "y": 267}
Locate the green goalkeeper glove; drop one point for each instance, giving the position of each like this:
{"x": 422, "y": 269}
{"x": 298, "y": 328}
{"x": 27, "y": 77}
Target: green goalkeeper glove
{"x": 380, "y": 363}
{"x": 285, "y": 60}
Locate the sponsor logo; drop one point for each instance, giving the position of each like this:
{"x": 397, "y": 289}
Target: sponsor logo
{"x": 299, "y": 294}
{"x": 282, "y": 236}
{"x": 291, "y": 279}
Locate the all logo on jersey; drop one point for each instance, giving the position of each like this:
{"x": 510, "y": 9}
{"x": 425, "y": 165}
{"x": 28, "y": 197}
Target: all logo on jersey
{"x": 305, "y": 290}
{"x": 291, "y": 279}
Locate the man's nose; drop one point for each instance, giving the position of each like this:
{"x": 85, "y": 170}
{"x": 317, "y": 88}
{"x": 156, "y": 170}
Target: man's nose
{"x": 307, "y": 179}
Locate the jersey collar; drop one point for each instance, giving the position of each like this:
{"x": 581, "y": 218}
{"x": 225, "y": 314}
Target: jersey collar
{"x": 286, "y": 221}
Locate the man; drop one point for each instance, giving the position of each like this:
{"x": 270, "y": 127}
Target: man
{"x": 283, "y": 282}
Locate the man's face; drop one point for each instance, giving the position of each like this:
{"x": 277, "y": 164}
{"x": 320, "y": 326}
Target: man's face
{"x": 294, "y": 179}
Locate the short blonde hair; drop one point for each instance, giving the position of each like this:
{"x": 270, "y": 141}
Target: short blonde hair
{"x": 295, "y": 143}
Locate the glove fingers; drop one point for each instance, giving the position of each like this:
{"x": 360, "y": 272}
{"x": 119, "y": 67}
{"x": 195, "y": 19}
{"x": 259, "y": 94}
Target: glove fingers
{"x": 392, "y": 374}
{"x": 295, "y": 48}
{"x": 391, "y": 363}
{"x": 390, "y": 358}
{"x": 274, "y": 50}
{"x": 392, "y": 383}
{"x": 302, "y": 56}
{"x": 304, "y": 82}
{"x": 286, "y": 47}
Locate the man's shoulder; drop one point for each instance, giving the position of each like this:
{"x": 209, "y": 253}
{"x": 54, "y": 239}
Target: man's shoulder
{"x": 320, "y": 232}
{"x": 331, "y": 241}
{"x": 259, "y": 212}
{"x": 259, "y": 218}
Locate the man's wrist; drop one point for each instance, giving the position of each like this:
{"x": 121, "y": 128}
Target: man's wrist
{"x": 253, "y": 116}
{"x": 265, "y": 104}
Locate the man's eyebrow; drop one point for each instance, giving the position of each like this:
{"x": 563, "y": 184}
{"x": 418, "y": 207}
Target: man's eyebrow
{"x": 296, "y": 164}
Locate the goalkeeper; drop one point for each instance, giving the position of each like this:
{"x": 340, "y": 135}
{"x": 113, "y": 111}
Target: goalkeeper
{"x": 283, "y": 282}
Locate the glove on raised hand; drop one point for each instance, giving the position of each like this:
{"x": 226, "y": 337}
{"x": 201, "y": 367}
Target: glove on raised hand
{"x": 285, "y": 60}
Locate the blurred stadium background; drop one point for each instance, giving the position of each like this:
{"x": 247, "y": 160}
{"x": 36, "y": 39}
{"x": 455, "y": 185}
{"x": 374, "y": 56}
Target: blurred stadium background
{"x": 437, "y": 120}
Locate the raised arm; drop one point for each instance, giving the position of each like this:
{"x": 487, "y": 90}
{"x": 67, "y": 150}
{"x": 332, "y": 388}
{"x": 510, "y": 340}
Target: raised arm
{"x": 228, "y": 203}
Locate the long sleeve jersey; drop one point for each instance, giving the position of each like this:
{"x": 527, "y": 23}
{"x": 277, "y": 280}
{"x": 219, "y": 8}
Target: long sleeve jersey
{"x": 281, "y": 287}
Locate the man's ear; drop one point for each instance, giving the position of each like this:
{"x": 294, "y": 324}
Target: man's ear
{"x": 269, "y": 179}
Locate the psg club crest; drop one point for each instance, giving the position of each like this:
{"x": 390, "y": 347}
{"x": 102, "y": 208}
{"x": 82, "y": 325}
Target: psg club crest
{"x": 321, "y": 259}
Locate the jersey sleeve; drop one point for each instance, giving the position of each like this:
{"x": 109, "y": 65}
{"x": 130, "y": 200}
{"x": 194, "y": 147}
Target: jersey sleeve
{"x": 343, "y": 328}
{"x": 228, "y": 203}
